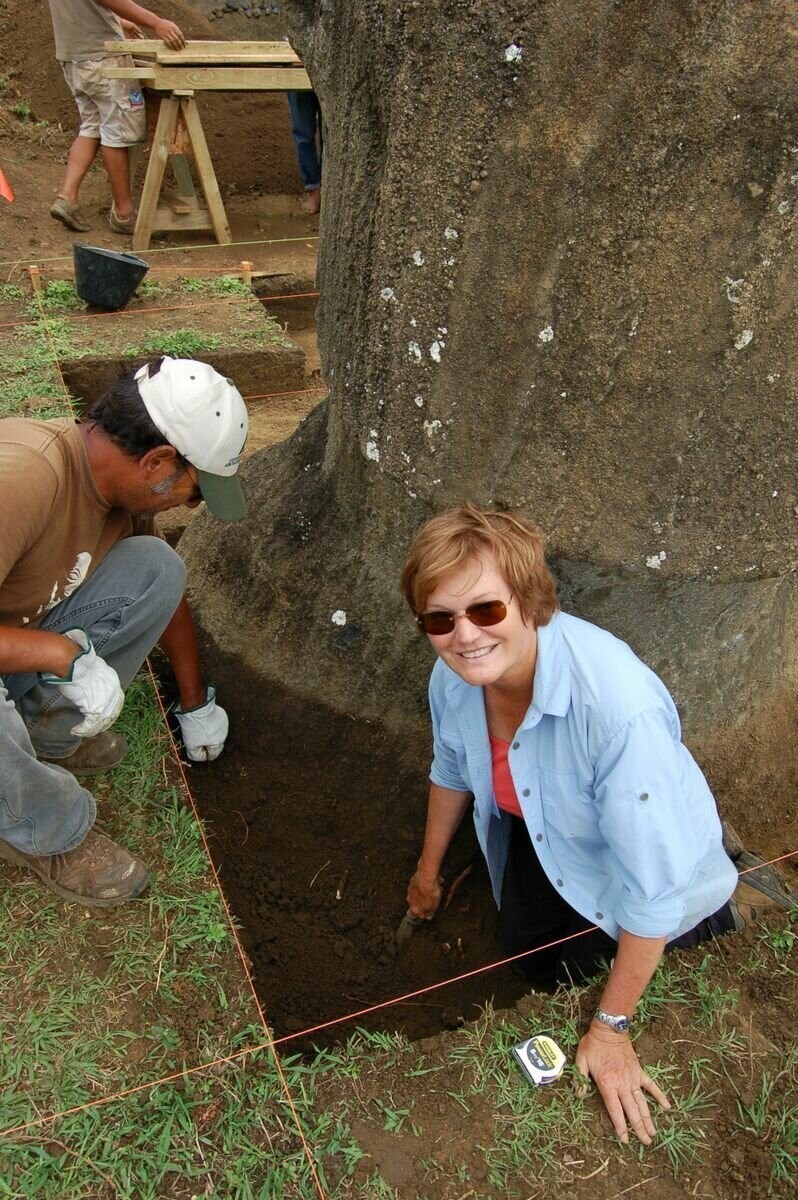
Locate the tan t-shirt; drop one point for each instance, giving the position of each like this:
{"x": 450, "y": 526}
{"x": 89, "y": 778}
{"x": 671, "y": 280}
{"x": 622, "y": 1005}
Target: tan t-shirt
{"x": 55, "y": 527}
{"x": 81, "y": 28}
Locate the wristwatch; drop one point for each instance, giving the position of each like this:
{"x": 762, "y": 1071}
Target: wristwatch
{"x": 619, "y": 1024}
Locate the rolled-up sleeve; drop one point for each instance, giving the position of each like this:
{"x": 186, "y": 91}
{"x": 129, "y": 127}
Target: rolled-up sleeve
{"x": 445, "y": 769}
{"x": 648, "y": 822}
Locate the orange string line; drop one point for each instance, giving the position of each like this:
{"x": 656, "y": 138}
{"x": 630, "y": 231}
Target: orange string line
{"x": 325, "y": 1025}
{"x": 236, "y": 939}
{"x": 295, "y": 392}
{"x": 138, "y": 312}
{"x": 310, "y": 237}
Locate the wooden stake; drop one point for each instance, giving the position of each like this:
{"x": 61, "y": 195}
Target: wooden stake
{"x": 35, "y": 278}
{"x": 246, "y": 274}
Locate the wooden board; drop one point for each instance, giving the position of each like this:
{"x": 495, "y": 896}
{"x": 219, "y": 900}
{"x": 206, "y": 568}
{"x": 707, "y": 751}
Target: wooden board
{"x": 216, "y": 79}
{"x": 252, "y": 53}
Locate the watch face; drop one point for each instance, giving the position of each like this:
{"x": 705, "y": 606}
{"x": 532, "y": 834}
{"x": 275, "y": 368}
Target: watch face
{"x": 619, "y": 1024}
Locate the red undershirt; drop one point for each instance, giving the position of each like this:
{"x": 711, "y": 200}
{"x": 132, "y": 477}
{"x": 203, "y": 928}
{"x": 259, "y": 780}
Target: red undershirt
{"x": 503, "y": 786}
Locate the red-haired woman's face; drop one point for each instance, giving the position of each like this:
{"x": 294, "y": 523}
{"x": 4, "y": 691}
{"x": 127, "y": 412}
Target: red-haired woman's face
{"x": 502, "y": 654}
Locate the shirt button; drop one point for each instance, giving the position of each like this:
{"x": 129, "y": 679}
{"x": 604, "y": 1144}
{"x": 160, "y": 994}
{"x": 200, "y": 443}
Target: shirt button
{"x": 559, "y": 883}
{"x": 516, "y": 745}
{"x": 525, "y": 792}
{"x": 599, "y": 916}
{"x": 644, "y": 795}
{"x": 538, "y": 837}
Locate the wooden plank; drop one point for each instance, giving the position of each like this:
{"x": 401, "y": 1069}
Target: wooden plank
{"x": 205, "y": 171}
{"x": 167, "y": 221}
{"x": 164, "y": 132}
{"x": 259, "y": 51}
{"x": 216, "y": 79}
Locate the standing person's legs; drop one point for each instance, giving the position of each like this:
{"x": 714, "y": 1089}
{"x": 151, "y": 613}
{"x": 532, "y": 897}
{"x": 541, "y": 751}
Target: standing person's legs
{"x": 305, "y": 124}
{"x": 124, "y": 607}
{"x": 81, "y": 155}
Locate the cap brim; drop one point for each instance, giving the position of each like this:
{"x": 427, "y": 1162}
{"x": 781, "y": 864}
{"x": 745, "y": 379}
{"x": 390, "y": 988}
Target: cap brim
{"x": 223, "y": 495}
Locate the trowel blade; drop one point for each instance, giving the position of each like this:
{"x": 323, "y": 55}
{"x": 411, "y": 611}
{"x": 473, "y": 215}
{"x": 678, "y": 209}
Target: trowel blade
{"x": 405, "y": 931}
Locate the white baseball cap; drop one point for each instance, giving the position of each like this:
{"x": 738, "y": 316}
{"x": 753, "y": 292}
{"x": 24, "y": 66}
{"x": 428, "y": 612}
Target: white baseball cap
{"x": 203, "y": 416}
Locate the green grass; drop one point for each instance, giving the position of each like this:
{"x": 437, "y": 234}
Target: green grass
{"x": 21, "y": 109}
{"x": 772, "y": 1118}
{"x": 180, "y": 343}
{"x": 57, "y": 296}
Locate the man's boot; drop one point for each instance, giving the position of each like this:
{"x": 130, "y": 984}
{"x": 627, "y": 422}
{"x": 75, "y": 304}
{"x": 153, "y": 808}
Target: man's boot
{"x": 94, "y": 755}
{"x": 97, "y": 873}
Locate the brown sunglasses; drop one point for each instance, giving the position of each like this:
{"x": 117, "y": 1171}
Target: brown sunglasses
{"x": 489, "y": 612}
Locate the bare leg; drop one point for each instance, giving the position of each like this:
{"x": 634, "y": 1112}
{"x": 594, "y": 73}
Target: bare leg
{"x": 82, "y": 153}
{"x": 115, "y": 161}
{"x": 312, "y": 202}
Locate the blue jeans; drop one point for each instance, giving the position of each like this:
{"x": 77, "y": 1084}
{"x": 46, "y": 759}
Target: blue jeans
{"x": 305, "y": 124}
{"x": 124, "y": 607}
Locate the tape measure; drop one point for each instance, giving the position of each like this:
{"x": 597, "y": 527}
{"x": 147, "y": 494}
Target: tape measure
{"x": 540, "y": 1058}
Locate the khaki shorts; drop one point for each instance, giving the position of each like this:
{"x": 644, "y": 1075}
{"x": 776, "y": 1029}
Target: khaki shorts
{"x": 110, "y": 109}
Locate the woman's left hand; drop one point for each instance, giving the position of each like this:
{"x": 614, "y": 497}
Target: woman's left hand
{"x": 609, "y": 1058}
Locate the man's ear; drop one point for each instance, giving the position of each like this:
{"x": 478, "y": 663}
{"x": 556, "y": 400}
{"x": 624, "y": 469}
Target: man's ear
{"x": 160, "y": 460}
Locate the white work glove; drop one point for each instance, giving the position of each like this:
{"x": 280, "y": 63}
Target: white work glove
{"x": 91, "y": 685}
{"x": 204, "y": 729}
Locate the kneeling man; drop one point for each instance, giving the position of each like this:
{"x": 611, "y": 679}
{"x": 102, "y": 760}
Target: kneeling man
{"x": 86, "y": 591}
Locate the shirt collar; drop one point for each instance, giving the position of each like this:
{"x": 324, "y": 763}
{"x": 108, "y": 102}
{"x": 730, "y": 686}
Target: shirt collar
{"x": 552, "y": 691}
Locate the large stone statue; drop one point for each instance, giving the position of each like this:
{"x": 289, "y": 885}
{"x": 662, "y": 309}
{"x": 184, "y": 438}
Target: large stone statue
{"x": 556, "y": 272}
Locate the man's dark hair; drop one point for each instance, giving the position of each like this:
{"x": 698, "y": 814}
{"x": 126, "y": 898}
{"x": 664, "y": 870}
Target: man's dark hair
{"x": 121, "y": 414}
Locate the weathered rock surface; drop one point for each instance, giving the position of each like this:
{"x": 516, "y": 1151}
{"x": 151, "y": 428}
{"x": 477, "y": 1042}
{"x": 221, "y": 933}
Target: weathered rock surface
{"x": 556, "y": 273}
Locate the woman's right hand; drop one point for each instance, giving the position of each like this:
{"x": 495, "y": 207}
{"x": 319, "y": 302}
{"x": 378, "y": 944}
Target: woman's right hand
{"x": 424, "y": 895}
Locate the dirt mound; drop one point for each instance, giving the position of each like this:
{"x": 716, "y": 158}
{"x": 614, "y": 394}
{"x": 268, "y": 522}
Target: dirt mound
{"x": 249, "y": 134}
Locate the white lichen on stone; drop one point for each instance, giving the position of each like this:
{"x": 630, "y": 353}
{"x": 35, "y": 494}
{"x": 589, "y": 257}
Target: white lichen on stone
{"x": 450, "y": 234}
{"x": 513, "y": 53}
{"x": 387, "y": 294}
{"x": 743, "y": 339}
{"x": 435, "y": 351}
{"x": 372, "y": 449}
{"x": 338, "y": 617}
{"x": 414, "y": 351}
{"x": 431, "y": 428}
{"x": 655, "y": 561}
{"x": 546, "y": 334}
{"x": 419, "y": 401}
{"x": 418, "y": 258}
{"x": 734, "y": 288}
{"x": 784, "y": 208}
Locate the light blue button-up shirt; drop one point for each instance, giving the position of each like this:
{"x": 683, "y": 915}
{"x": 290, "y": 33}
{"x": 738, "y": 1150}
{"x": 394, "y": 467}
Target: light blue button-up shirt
{"x": 619, "y": 813}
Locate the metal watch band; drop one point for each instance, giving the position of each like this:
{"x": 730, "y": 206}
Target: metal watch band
{"x": 620, "y": 1023}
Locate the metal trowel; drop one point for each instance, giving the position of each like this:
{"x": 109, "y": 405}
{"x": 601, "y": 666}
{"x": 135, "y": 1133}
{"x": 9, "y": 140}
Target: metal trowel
{"x": 405, "y": 931}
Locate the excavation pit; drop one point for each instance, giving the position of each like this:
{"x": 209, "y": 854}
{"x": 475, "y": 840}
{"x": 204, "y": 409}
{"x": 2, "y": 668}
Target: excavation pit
{"x": 316, "y": 821}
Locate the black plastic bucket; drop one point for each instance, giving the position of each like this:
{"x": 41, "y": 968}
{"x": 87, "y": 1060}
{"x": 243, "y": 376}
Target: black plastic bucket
{"x": 106, "y": 278}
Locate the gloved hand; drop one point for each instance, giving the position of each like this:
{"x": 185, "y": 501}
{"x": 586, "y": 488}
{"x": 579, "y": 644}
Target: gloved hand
{"x": 91, "y": 685}
{"x": 204, "y": 729}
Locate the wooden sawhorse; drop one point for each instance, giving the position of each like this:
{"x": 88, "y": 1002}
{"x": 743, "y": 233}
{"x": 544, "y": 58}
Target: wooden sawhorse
{"x": 178, "y": 134}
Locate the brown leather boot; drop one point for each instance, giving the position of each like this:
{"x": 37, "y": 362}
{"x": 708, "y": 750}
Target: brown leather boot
{"x": 749, "y": 905}
{"x": 97, "y": 873}
{"x": 94, "y": 755}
